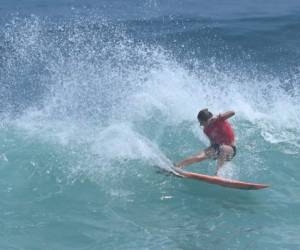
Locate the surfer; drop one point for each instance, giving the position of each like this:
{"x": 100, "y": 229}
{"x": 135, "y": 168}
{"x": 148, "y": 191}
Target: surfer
{"x": 222, "y": 140}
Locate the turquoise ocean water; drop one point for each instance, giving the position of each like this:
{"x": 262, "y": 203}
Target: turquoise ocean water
{"x": 98, "y": 97}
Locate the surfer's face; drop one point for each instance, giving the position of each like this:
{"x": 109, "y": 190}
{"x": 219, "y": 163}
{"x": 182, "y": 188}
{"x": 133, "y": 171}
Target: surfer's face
{"x": 202, "y": 123}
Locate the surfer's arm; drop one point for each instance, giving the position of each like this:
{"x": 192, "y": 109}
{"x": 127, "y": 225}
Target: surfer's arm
{"x": 226, "y": 115}
{"x": 222, "y": 116}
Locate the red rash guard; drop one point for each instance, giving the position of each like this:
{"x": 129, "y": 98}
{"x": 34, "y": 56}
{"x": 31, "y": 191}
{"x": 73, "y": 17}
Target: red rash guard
{"x": 220, "y": 132}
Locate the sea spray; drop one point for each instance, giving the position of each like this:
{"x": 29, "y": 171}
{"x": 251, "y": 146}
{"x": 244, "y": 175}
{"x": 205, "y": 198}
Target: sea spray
{"x": 95, "y": 77}
{"x": 90, "y": 108}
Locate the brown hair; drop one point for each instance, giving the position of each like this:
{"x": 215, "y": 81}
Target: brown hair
{"x": 204, "y": 115}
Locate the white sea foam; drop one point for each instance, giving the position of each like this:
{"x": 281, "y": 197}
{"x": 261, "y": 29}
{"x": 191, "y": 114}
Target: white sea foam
{"x": 122, "y": 142}
{"x": 104, "y": 93}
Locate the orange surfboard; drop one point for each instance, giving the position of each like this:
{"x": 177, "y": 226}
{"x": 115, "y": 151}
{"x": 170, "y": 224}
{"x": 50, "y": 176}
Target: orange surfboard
{"x": 219, "y": 180}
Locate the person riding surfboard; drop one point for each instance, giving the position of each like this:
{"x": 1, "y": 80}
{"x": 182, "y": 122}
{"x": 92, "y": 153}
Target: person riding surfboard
{"x": 222, "y": 139}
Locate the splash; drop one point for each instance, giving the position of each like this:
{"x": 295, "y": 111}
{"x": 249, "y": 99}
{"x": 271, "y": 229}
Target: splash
{"x": 87, "y": 82}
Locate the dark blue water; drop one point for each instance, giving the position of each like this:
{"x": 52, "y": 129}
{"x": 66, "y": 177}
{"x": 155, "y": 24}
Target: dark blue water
{"x": 97, "y": 97}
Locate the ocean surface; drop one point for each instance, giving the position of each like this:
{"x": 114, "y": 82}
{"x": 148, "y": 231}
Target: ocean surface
{"x": 98, "y": 98}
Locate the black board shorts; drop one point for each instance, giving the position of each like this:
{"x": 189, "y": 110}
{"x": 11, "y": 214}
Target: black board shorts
{"x": 216, "y": 147}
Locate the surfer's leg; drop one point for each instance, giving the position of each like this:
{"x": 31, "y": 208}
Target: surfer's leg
{"x": 203, "y": 155}
{"x": 225, "y": 153}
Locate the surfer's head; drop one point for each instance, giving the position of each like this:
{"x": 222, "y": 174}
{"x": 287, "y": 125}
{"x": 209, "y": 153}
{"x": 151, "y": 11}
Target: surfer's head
{"x": 203, "y": 116}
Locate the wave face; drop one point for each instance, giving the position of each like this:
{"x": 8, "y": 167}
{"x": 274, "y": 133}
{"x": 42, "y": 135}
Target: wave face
{"x": 94, "y": 109}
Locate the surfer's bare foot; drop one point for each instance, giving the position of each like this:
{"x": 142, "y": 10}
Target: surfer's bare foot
{"x": 179, "y": 166}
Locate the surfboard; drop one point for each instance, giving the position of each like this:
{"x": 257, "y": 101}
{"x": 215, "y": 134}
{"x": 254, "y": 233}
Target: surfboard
{"x": 219, "y": 180}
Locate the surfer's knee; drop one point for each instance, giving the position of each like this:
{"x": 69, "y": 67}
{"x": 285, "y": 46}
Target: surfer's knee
{"x": 210, "y": 153}
{"x": 201, "y": 156}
